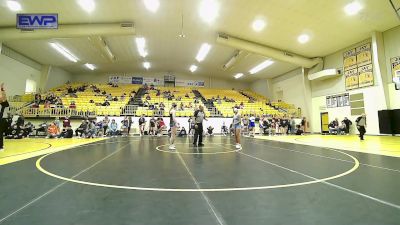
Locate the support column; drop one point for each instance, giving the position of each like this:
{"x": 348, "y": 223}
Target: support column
{"x": 306, "y": 86}
{"x": 379, "y": 66}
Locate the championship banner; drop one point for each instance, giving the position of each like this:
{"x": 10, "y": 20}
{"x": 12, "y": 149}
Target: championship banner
{"x": 395, "y": 62}
{"x": 351, "y": 79}
{"x": 365, "y": 76}
{"x": 364, "y": 56}
{"x": 349, "y": 60}
{"x": 153, "y": 81}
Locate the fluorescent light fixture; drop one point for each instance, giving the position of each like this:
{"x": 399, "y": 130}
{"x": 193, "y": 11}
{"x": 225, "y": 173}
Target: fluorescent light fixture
{"x": 238, "y": 75}
{"x": 304, "y": 38}
{"x": 146, "y": 65}
{"x": 87, "y": 5}
{"x": 193, "y": 68}
{"x": 152, "y": 5}
{"x": 67, "y": 54}
{"x": 14, "y": 5}
{"x": 261, "y": 66}
{"x": 204, "y": 49}
{"x": 258, "y": 25}
{"x": 90, "y": 66}
{"x": 352, "y": 8}
{"x": 141, "y": 46}
{"x": 209, "y": 10}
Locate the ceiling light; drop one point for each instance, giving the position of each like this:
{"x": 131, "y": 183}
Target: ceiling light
{"x": 209, "y": 10}
{"x": 14, "y": 5}
{"x": 87, "y": 5}
{"x": 261, "y": 66}
{"x": 90, "y": 66}
{"x": 258, "y": 25}
{"x": 352, "y": 8}
{"x": 146, "y": 65}
{"x": 204, "y": 49}
{"x": 141, "y": 46}
{"x": 238, "y": 75}
{"x": 304, "y": 38}
{"x": 67, "y": 54}
{"x": 152, "y": 5}
{"x": 193, "y": 68}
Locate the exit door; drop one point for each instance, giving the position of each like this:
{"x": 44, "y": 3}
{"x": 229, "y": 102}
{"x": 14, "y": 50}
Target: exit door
{"x": 324, "y": 123}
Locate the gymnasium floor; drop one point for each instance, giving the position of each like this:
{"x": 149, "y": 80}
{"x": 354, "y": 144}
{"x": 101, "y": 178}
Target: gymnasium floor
{"x": 138, "y": 181}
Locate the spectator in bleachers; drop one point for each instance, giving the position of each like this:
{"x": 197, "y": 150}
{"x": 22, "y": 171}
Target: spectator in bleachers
{"x": 113, "y": 128}
{"x": 53, "y": 131}
{"x": 241, "y": 106}
{"x": 181, "y": 107}
{"x": 162, "y": 106}
{"x": 148, "y": 98}
{"x": 186, "y": 95}
{"x": 146, "y": 103}
{"x": 46, "y": 105}
{"x": 72, "y": 105}
{"x": 106, "y": 103}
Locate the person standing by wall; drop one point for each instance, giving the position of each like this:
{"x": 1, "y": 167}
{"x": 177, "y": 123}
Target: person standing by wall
{"x": 361, "y": 125}
{"x": 142, "y": 124}
{"x": 348, "y": 124}
{"x": 198, "y": 132}
{"x": 3, "y": 122}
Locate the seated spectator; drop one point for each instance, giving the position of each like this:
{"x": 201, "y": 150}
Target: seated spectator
{"x": 182, "y": 132}
{"x": 66, "y": 132}
{"x": 91, "y": 101}
{"x": 47, "y": 105}
{"x": 81, "y": 129}
{"x": 66, "y": 122}
{"x": 342, "y": 128}
{"x": 91, "y": 131}
{"x": 181, "y": 107}
{"x": 299, "y": 131}
{"x": 224, "y": 129}
{"x": 210, "y": 130}
{"x": 148, "y": 98}
{"x": 186, "y": 95}
{"x": 160, "y": 126}
{"x": 115, "y": 99}
{"x": 106, "y": 103}
{"x": 53, "y": 131}
{"x": 146, "y": 103}
{"x": 334, "y": 127}
{"x": 15, "y": 133}
{"x": 113, "y": 128}
{"x": 162, "y": 106}
{"x": 348, "y": 123}
{"x": 72, "y": 105}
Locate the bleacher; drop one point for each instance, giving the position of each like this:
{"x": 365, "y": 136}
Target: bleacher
{"x": 88, "y": 102}
{"x": 182, "y": 95}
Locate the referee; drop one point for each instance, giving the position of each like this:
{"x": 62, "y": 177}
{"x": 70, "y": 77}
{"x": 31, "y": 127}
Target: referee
{"x": 3, "y": 124}
{"x": 199, "y": 116}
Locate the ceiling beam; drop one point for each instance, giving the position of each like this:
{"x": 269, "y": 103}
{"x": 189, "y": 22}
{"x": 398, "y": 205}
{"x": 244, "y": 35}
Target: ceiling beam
{"x": 267, "y": 51}
{"x": 68, "y": 31}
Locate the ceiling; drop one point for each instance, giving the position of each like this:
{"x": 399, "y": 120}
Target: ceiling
{"x": 330, "y": 29}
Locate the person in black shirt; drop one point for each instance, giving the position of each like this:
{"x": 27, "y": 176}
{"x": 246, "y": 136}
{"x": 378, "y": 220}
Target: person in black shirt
{"x": 142, "y": 124}
{"x": 3, "y": 123}
{"x": 348, "y": 124}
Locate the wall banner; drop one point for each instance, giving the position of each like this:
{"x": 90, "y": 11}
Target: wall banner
{"x": 365, "y": 76}
{"x": 351, "y": 79}
{"x": 395, "y": 62}
{"x": 364, "y": 56}
{"x": 349, "y": 60}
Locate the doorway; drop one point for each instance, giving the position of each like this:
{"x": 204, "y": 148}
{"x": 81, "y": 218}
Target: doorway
{"x": 324, "y": 123}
